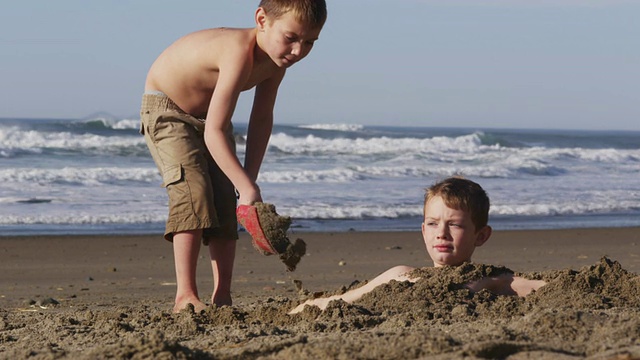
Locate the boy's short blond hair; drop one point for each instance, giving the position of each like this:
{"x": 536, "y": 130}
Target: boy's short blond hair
{"x": 311, "y": 12}
{"x": 462, "y": 194}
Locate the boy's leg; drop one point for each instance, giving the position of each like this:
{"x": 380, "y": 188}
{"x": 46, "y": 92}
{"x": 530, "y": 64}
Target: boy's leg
{"x": 176, "y": 143}
{"x": 222, "y": 240}
{"x": 222, "y": 253}
{"x": 186, "y": 248}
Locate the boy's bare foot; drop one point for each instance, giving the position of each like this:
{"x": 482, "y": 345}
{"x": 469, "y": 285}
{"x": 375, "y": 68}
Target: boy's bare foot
{"x": 197, "y": 305}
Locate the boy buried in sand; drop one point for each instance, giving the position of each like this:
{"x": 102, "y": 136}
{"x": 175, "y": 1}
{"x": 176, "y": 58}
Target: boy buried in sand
{"x": 456, "y": 212}
{"x": 191, "y": 92}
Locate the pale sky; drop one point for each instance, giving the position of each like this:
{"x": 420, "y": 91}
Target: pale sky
{"x": 562, "y": 64}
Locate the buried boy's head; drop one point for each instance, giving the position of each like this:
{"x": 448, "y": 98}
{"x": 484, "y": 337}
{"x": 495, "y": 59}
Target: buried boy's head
{"x": 456, "y": 212}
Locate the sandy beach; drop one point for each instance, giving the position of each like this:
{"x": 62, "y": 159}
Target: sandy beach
{"x": 87, "y": 297}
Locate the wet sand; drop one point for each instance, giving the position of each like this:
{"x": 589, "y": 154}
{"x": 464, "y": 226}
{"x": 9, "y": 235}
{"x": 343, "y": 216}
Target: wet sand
{"x": 86, "y": 297}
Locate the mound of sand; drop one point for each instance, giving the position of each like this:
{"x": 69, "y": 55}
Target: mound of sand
{"x": 590, "y": 313}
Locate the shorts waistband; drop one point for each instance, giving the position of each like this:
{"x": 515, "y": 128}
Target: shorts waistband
{"x": 156, "y": 100}
{"x": 154, "y": 92}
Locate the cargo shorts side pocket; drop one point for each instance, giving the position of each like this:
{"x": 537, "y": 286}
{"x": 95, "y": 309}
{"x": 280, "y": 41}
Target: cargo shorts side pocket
{"x": 171, "y": 174}
{"x": 180, "y": 205}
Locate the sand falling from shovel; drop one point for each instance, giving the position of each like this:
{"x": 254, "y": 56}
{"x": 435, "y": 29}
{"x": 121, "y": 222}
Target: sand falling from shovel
{"x": 275, "y": 229}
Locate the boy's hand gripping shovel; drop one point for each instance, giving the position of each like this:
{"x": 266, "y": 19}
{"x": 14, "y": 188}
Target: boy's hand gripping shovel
{"x": 269, "y": 236}
{"x": 248, "y": 218}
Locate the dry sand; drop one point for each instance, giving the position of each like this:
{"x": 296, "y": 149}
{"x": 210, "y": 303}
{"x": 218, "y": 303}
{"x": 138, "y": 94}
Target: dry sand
{"x": 89, "y": 297}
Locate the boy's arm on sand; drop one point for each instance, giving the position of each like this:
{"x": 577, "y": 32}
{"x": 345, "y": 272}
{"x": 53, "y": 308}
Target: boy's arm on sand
{"x": 524, "y": 287}
{"x": 398, "y": 273}
{"x": 506, "y": 284}
{"x": 261, "y": 123}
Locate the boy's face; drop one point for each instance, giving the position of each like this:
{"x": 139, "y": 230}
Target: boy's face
{"x": 449, "y": 234}
{"x": 285, "y": 39}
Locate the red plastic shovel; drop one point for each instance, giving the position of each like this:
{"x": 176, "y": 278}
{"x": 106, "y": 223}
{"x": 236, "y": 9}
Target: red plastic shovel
{"x": 248, "y": 218}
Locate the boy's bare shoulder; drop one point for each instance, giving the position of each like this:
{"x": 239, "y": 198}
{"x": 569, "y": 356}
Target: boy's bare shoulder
{"x": 218, "y": 41}
{"x": 239, "y": 36}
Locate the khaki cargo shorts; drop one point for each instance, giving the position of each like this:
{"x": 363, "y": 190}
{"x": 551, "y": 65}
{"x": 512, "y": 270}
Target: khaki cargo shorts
{"x": 200, "y": 194}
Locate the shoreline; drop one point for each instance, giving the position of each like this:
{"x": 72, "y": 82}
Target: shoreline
{"x": 384, "y": 225}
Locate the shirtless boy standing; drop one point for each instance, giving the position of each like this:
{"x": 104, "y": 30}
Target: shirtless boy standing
{"x": 190, "y": 96}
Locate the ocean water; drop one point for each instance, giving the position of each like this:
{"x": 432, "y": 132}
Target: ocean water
{"x": 96, "y": 176}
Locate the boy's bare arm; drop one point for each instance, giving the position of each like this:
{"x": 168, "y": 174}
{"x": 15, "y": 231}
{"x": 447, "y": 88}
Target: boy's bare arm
{"x": 398, "y": 273}
{"x": 506, "y": 284}
{"x": 261, "y": 123}
{"x": 234, "y": 70}
{"x": 524, "y": 287}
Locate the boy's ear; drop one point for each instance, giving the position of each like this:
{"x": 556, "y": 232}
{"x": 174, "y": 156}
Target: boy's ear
{"x": 261, "y": 18}
{"x": 483, "y": 235}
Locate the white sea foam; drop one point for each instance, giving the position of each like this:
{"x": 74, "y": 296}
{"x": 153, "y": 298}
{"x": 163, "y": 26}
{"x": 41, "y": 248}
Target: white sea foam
{"x": 309, "y": 211}
{"x": 361, "y": 173}
{"x": 379, "y": 145}
{"x": 110, "y": 121}
{"x": 334, "y": 127}
{"x": 15, "y": 138}
{"x": 307, "y": 176}
{"x": 467, "y": 147}
{"x": 127, "y": 124}
{"x": 564, "y": 208}
{"x": 330, "y": 211}
{"x": 78, "y": 176}
{"x": 79, "y": 218}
